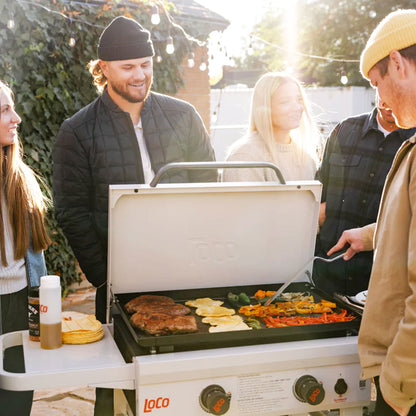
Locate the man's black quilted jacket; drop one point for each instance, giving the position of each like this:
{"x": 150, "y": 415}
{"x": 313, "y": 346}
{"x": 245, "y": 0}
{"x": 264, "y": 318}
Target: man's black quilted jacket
{"x": 98, "y": 147}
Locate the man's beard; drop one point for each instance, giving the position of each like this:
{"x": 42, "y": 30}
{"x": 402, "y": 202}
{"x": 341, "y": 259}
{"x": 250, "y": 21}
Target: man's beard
{"x": 128, "y": 97}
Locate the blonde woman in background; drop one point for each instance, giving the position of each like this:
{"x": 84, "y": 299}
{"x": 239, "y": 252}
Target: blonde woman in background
{"x": 281, "y": 131}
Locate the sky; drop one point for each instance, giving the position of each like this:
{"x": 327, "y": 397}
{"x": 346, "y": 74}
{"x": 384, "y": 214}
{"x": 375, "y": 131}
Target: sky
{"x": 243, "y": 15}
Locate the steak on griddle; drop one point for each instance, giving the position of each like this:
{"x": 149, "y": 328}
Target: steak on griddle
{"x": 147, "y": 299}
{"x": 163, "y": 324}
{"x": 150, "y": 308}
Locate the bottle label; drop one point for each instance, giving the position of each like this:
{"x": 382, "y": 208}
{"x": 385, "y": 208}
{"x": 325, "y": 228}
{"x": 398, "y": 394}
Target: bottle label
{"x": 33, "y": 318}
{"x": 50, "y": 308}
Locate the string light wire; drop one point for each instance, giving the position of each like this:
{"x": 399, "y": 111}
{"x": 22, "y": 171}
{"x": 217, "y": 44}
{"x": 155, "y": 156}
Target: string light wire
{"x": 77, "y": 20}
{"x": 324, "y": 58}
{"x": 170, "y": 47}
{"x": 59, "y": 13}
{"x": 184, "y": 33}
{"x": 180, "y": 28}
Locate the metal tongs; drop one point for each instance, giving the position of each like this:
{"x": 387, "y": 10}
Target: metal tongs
{"x": 301, "y": 271}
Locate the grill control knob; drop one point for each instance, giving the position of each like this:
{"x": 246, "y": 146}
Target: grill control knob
{"x": 307, "y": 389}
{"x": 341, "y": 386}
{"x": 213, "y": 399}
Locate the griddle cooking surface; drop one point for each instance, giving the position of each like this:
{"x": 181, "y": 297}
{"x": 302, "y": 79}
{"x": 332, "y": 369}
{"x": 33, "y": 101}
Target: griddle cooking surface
{"x": 204, "y": 339}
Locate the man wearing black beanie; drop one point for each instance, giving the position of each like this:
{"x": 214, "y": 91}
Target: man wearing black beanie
{"x": 124, "y": 136}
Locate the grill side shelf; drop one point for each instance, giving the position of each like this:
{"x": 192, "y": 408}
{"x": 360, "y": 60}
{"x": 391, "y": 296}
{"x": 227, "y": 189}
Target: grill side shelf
{"x": 96, "y": 364}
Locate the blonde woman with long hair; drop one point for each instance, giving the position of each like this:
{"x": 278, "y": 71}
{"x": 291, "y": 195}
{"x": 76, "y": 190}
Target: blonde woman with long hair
{"x": 281, "y": 131}
{"x": 23, "y": 237}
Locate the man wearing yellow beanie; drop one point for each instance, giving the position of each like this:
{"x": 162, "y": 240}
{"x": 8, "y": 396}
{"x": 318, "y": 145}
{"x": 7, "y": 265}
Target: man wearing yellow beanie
{"x": 387, "y": 338}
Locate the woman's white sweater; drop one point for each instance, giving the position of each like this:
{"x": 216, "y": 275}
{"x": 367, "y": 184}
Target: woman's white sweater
{"x": 12, "y": 277}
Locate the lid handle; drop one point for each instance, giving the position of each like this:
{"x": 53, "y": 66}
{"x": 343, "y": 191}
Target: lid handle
{"x": 214, "y": 165}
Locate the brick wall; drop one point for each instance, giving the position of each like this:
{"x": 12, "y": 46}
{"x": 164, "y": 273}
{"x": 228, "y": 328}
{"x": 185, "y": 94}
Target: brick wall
{"x": 196, "y": 89}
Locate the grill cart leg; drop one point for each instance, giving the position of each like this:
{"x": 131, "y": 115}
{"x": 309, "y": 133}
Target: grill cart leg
{"x": 352, "y": 411}
{"x": 121, "y": 406}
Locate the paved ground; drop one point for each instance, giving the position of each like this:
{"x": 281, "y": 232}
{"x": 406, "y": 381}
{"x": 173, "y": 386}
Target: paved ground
{"x": 77, "y": 401}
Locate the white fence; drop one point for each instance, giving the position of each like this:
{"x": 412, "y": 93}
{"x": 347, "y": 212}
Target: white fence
{"x": 230, "y": 110}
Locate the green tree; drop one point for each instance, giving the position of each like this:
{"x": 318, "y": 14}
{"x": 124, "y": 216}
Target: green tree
{"x": 331, "y": 35}
{"x": 51, "y": 82}
{"x": 338, "y": 31}
{"x": 260, "y": 52}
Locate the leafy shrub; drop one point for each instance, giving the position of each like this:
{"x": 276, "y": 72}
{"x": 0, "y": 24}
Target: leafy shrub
{"x": 50, "y": 80}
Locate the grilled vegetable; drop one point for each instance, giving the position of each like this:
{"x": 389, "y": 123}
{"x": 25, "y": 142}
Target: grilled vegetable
{"x": 262, "y": 301}
{"x": 233, "y": 299}
{"x": 287, "y": 308}
{"x": 279, "y": 321}
{"x": 263, "y": 295}
{"x": 238, "y": 300}
{"x": 243, "y": 299}
{"x": 253, "y": 323}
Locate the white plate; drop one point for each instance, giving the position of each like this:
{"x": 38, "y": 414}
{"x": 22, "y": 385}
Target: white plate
{"x": 360, "y": 297}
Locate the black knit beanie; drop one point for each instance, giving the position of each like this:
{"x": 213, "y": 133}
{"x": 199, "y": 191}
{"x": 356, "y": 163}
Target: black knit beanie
{"x": 124, "y": 38}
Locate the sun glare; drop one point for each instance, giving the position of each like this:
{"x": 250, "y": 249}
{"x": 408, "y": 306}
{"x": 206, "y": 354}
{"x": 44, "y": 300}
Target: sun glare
{"x": 235, "y": 39}
{"x": 291, "y": 34}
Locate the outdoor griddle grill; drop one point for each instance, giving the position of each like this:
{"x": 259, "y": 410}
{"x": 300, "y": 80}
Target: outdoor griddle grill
{"x": 204, "y": 240}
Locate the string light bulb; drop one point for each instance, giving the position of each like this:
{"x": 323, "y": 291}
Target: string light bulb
{"x": 214, "y": 117}
{"x": 10, "y": 22}
{"x": 250, "y": 50}
{"x": 344, "y": 78}
{"x": 72, "y": 42}
{"x": 170, "y": 48}
{"x": 159, "y": 58}
{"x": 250, "y": 46}
{"x": 155, "y": 19}
{"x": 191, "y": 60}
{"x": 203, "y": 66}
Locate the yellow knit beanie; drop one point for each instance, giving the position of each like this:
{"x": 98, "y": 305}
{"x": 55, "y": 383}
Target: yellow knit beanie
{"x": 396, "y": 31}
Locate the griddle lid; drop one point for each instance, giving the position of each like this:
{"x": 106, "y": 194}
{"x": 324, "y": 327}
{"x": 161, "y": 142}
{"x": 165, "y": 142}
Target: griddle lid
{"x": 185, "y": 236}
